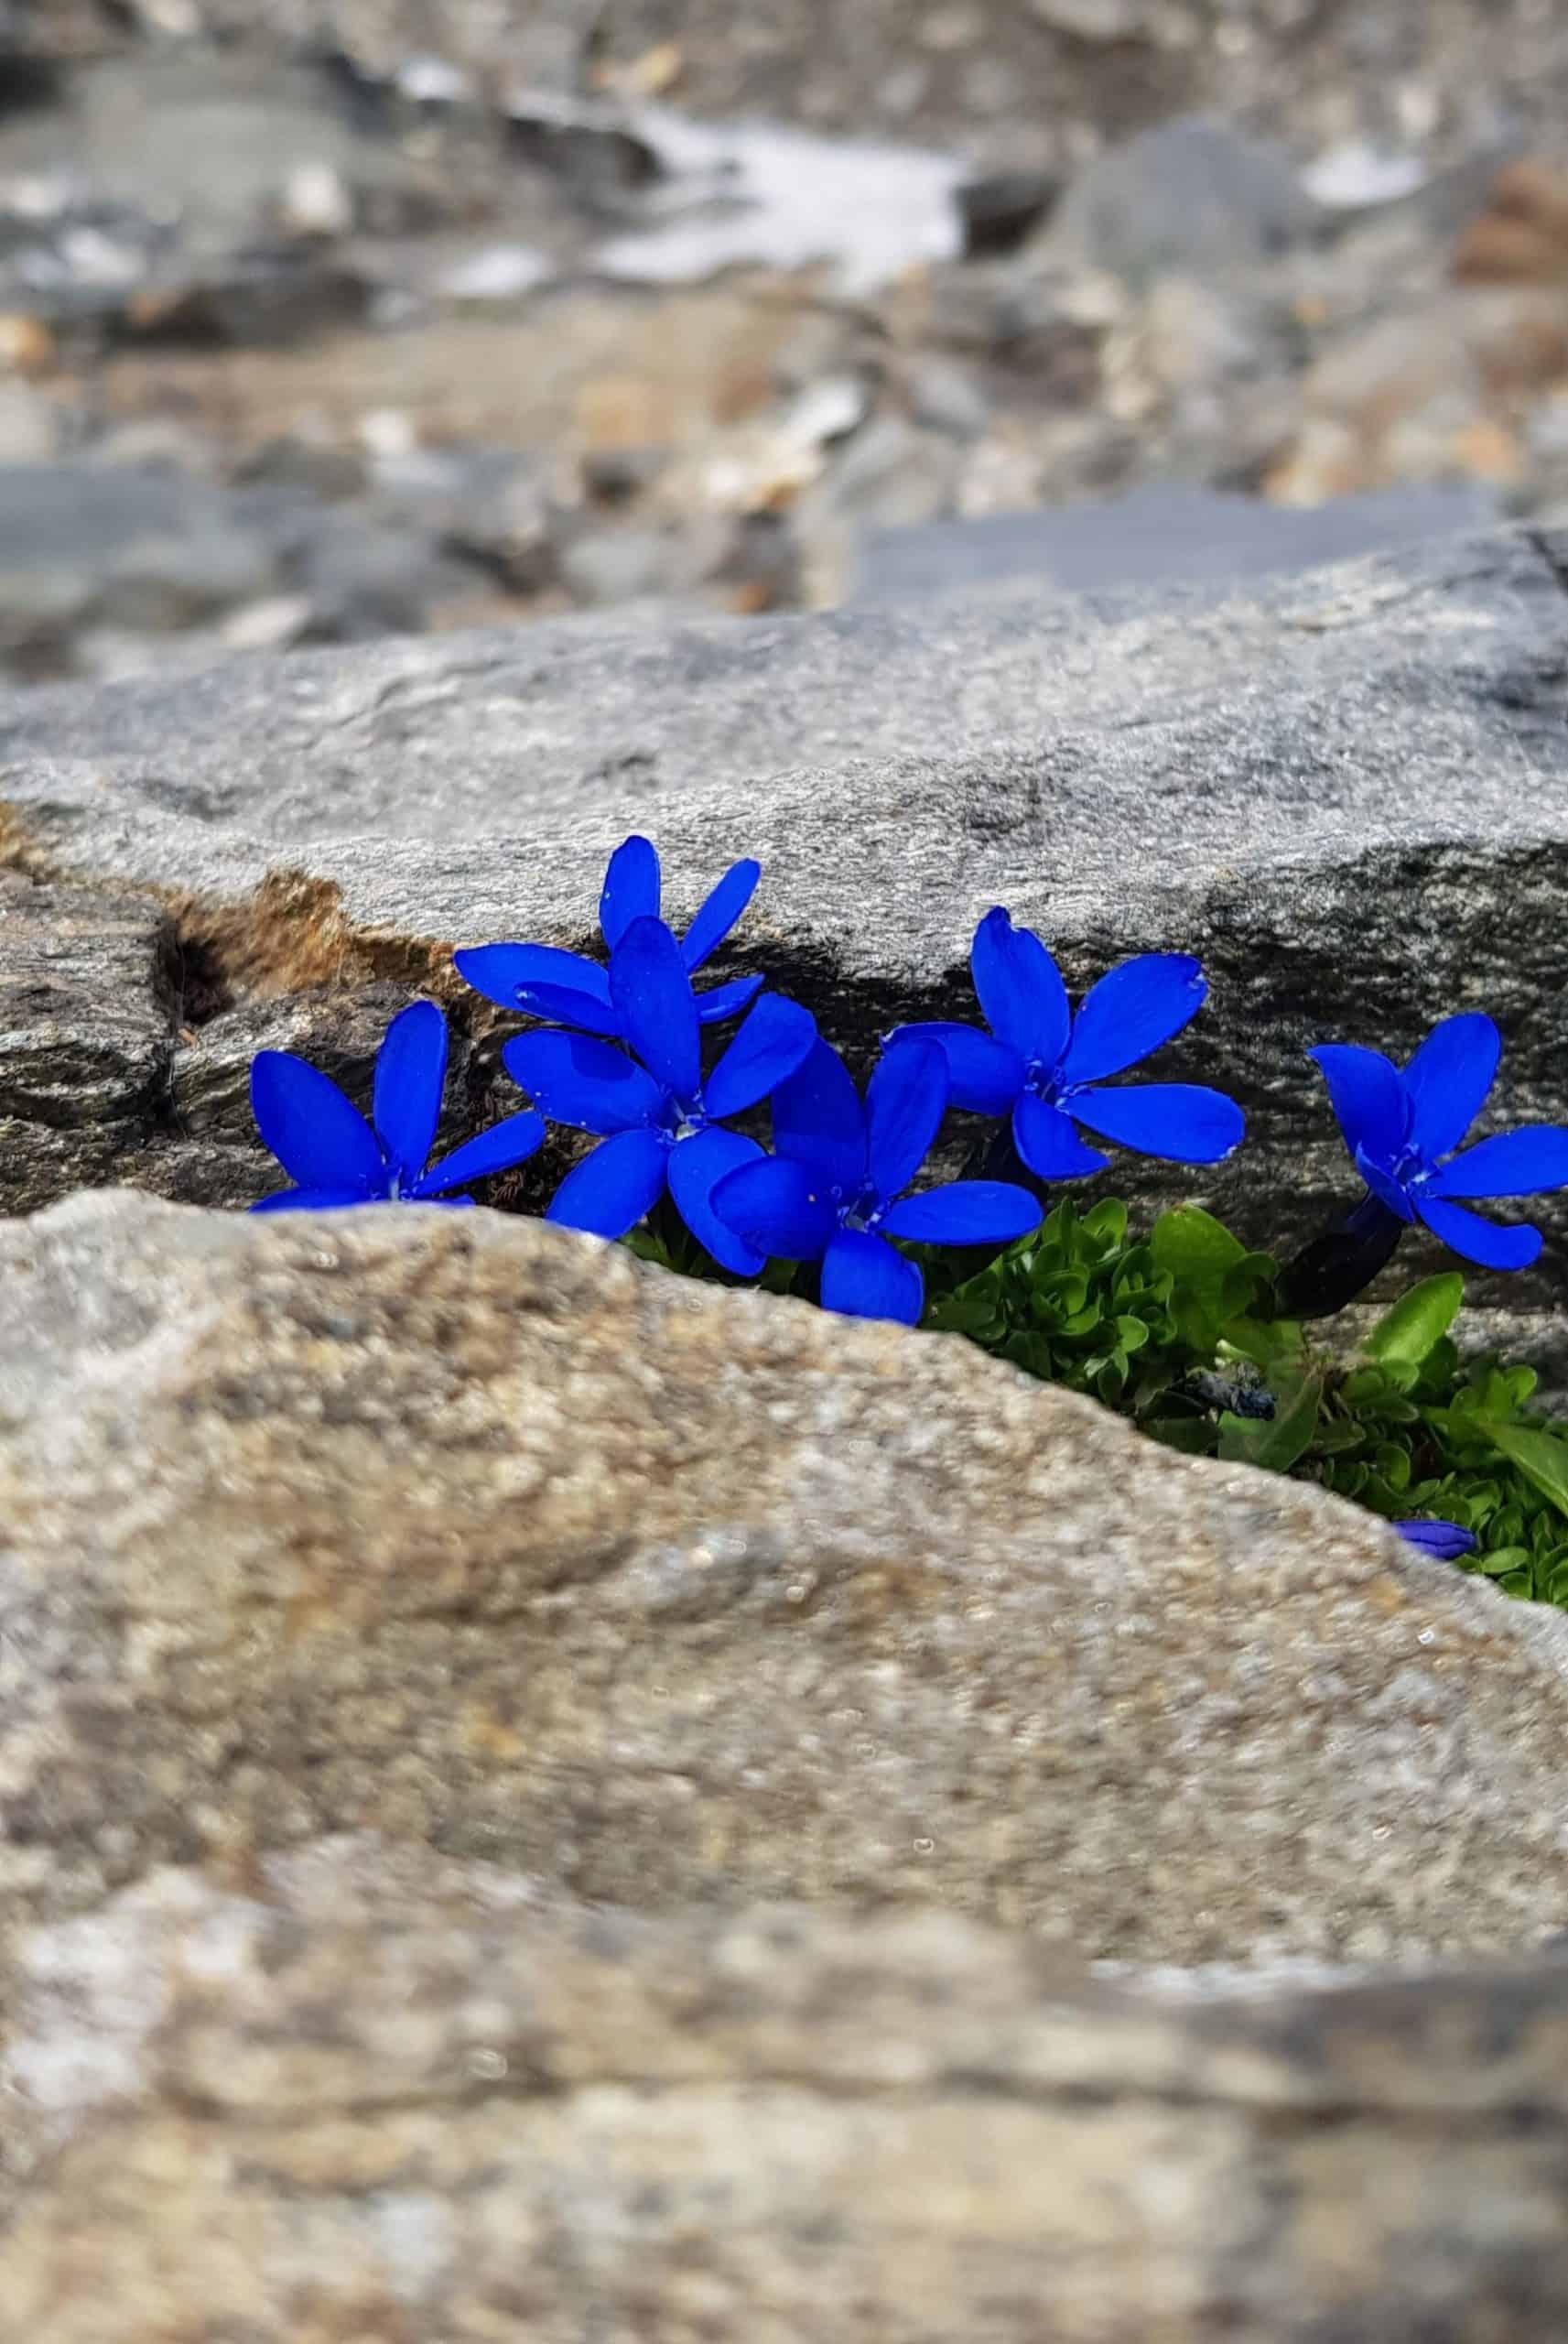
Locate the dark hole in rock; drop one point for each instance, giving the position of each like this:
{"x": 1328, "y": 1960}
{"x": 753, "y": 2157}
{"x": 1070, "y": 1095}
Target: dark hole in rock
{"x": 198, "y": 982}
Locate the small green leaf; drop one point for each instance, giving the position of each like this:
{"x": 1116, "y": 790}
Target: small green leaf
{"x": 1272, "y": 1344}
{"x": 1189, "y": 1434}
{"x": 1276, "y": 1442}
{"x": 1418, "y": 1321}
{"x": 1193, "y": 1246}
{"x": 1542, "y": 1458}
{"x": 1107, "y": 1223}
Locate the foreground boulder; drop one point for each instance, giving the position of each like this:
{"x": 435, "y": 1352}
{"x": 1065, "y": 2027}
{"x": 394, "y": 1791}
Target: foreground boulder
{"x": 1348, "y": 792}
{"x": 484, "y": 1536}
{"x": 382, "y": 2095}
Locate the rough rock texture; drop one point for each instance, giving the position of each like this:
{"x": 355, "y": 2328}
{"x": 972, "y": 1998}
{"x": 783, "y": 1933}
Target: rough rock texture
{"x": 383, "y": 2096}
{"x": 1350, "y": 792}
{"x": 484, "y": 1536}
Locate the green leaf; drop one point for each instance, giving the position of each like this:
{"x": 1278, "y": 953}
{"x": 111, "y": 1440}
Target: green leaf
{"x": 1275, "y": 1345}
{"x": 1107, "y": 1222}
{"x": 1277, "y": 1442}
{"x": 1418, "y": 1321}
{"x": 1193, "y": 1246}
{"x": 1542, "y": 1458}
{"x": 1192, "y": 1435}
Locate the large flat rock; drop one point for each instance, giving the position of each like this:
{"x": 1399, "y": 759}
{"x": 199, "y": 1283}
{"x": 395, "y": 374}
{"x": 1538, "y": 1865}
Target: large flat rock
{"x": 1347, "y": 791}
{"x": 485, "y": 1535}
{"x": 373, "y": 2094}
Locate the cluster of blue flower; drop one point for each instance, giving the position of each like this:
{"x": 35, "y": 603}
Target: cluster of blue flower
{"x": 622, "y": 1058}
{"x": 618, "y": 1054}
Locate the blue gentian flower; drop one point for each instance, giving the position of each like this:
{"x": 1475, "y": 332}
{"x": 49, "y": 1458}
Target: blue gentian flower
{"x": 660, "y": 1123}
{"x": 1444, "y": 1540}
{"x": 1398, "y": 1125}
{"x": 834, "y": 1192}
{"x": 1046, "y": 1069}
{"x": 574, "y": 991}
{"x": 337, "y": 1158}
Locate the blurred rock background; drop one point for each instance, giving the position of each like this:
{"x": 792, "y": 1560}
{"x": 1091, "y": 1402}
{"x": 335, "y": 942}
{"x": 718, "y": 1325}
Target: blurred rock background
{"x": 321, "y": 320}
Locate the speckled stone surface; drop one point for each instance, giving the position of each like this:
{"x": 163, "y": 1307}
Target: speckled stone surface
{"x": 485, "y": 1535}
{"x": 1347, "y": 791}
{"x": 380, "y": 2094}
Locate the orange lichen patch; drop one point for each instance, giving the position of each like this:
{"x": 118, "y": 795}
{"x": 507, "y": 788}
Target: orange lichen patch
{"x": 294, "y": 933}
{"x": 291, "y": 935}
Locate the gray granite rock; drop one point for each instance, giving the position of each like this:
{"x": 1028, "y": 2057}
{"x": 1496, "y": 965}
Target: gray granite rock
{"x": 1348, "y": 792}
{"x": 1158, "y": 535}
{"x": 81, "y": 542}
{"x": 1192, "y": 193}
{"x": 369, "y": 2093}
{"x": 485, "y": 1535}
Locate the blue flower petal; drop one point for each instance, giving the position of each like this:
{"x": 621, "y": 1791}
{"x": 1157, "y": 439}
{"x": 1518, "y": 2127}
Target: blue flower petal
{"x": 510, "y": 1142}
{"x": 1368, "y": 1096}
{"x": 318, "y": 1137}
{"x": 777, "y": 1037}
{"x": 314, "y": 1200}
{"x": 652, "y": 996}
{"x": 697, "y": 1167}
{"x": 1445, "y": 1540}
{"x": 983, "y": 1074}
{"x": 505, "y": 973}
{"x": 718, "y": 915}
{"x": 1049, "y": 1143}
{"x": 1184, "y": 1121}
{"x": 864, "y": 1278}
{"x": 583, "y": 1082}
{"x": 1019, "y": 988}
{"x": 965, "y": 1212}
{"x": 818, "y": 1121}
{"x": 609, "y": 1192}
{"x": 778, "y": 1207}
{"x": 1522, "y": 1163}
{"x": 565, "y": 1005}
{"x": 1384, "y": 1186}
{"x": 631, "y": 888}
{"x": 906, "y": 1099}
{"x": 1480, "y": 1241}
{"x": 720, "y": 1001}
{"x": 410, "y": 1076}
{"x": 1133, "y": 1008}
{"x": 1447, "y": 1081}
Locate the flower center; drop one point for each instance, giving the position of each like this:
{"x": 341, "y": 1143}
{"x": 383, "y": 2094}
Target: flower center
{"x": 1044, "y": 1081}
{"x": 683, "y": 1118}
{"x": 1409, "y": 1168}
{"x": 862, "y": 1211}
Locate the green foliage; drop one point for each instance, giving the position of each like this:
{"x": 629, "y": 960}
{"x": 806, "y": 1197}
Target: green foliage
{"x": 1077, "y": 1303}
{"x": 1177, "y": 1331}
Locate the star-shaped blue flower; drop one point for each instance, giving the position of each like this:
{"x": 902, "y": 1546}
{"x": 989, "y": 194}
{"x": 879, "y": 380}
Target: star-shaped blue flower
{"x": 324, "y": 1142}
{"x": 1443, "y": 1540}
{"x": 1400, "y": 1126}
{"x": 661, "y": 1125}
{"x": 834, "y": 1192}
{"x": 575, "y": 991}
{"x": 1046, "y": 1068}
